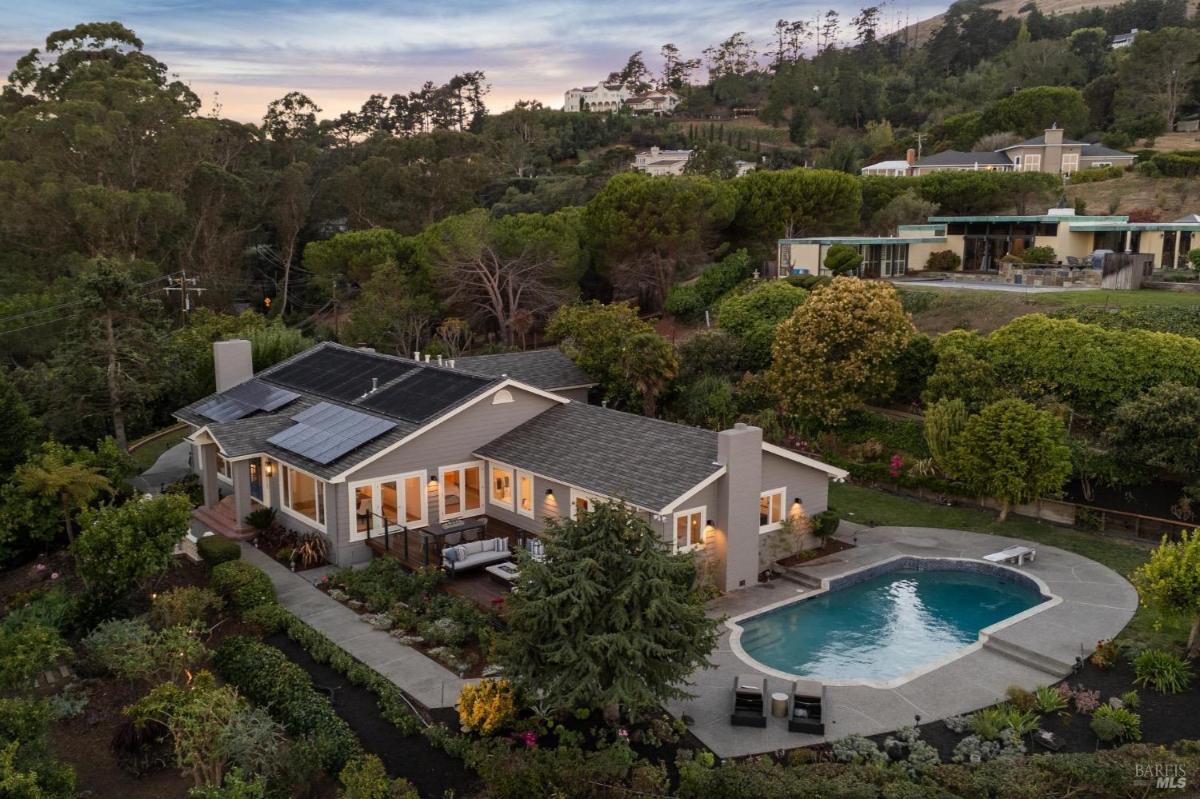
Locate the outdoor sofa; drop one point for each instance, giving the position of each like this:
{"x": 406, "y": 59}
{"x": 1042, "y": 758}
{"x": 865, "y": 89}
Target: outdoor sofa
{"x": 475, "y": 554}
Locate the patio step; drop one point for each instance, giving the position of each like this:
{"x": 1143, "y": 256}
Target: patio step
{"x": 1035, "y": 660}
{"x": 801, "y": 578}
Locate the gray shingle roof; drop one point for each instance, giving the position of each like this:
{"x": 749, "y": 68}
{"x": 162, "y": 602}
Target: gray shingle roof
{"x": 249, "y": 435}
{"x": 1099, "y": 151}
{"x": 957, "y": 158}
{"x": 647, "y": 462}
{"x": 547, "y": 369}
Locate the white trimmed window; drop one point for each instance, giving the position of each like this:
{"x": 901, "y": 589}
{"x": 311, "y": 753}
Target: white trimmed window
{"x": 303, "y": 495}
{"x": 770, "y": 509}
{"x": 525, "y": 498}
{"x": 689, "y": 529}
{"x": 502, "y": 486}
{"x": 1033, "y": 162}
{"x": 399, "y": 500}
{"x": 461, "y": 491}
{"x": 581, "y": 502}
{"x": 224, "y": 468}
{"x": 1070, "y": 163}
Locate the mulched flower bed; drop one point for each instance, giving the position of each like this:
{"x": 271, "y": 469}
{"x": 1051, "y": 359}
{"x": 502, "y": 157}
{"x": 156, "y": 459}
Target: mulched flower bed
{"x": 413, "y": 757}
{"x": 1166, "y": 718}
{"x": 832, "y": 546}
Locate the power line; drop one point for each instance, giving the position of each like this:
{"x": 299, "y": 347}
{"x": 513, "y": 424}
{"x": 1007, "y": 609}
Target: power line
{"x": 71, "y": 315}
{"x": 76, "y": 302}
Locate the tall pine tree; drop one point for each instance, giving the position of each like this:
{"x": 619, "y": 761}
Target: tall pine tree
{"x": 608, "y": 619}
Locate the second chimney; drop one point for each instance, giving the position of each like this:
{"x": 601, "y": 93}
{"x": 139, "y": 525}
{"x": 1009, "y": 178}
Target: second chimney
{"x": 233, "y": 363}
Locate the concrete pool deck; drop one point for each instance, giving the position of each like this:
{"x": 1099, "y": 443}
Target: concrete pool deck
{"x": 1096, "y": 603}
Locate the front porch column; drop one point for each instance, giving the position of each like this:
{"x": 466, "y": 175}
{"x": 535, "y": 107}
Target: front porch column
{"x": 241, "y": 492}
{"x": 208, "y": 474}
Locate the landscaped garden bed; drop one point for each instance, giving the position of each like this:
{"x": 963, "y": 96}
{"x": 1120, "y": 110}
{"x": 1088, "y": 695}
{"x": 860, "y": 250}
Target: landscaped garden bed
{"x": 299, "y": 551}
{"x": 408, "y": 605}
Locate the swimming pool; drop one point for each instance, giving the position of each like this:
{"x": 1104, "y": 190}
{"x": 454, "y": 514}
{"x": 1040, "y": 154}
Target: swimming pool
{"x": 881, "y": 626}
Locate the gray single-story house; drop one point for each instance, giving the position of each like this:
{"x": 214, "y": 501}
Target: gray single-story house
{"x": 384, "y": 454}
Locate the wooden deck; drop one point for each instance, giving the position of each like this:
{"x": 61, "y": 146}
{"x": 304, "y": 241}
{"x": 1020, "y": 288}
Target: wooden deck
{"x": 424, "y": 551}
{"x": 422, "y": 548}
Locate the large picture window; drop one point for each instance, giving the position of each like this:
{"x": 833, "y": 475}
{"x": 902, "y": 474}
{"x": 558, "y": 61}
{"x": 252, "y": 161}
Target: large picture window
{"x": 525, "y": 498}
{"x": 770, "y": 509}
{"x": 461, "y": 490}
{"x": 502, "y": 486}
{"x": 397, "y": 501}
{"x": 689, "y": 529}
{"x": 303, "y": 495}
{"x": 581, "y": 503}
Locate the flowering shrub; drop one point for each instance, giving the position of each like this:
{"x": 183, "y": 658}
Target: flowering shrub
{"x": 488, "y": 706}
{"x": 1086, "y": 701}
{"x": 1106, "y": 654}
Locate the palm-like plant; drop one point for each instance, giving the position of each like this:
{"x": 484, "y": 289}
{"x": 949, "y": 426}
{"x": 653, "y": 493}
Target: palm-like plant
{"x": 73, "y": 484}
{"x": 649, "y": 365}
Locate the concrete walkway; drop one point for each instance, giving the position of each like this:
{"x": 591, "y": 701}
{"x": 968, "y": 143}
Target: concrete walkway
{"x": 421, "y": 677}
{"x": 174, "y": 464}
{"x": 1096, "y": 604}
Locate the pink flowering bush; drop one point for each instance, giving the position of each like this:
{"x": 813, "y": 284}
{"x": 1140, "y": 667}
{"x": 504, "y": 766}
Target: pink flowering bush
{"x": 1086, "y": 701}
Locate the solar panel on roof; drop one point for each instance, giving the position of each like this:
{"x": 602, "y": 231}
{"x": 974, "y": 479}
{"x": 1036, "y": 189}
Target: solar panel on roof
{"x": 421, "y": 396}
{"x": 262, "y": 396}
{"x": 326, "y": 432}
{"x": 224, "y": 409}
{"x": 244, "y": 399}
{"x": 343, "y": 375}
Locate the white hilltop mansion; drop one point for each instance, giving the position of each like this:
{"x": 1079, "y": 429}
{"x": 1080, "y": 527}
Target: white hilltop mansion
{"x": 601, "y": 97}
{"x": 612, "y": 97}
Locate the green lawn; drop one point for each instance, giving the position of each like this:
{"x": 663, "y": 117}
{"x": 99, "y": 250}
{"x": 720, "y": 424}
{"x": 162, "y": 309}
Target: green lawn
{"x": 866, "y": 506}
{"x": 145, "y": 456}
{"x": 1119, "y": 299}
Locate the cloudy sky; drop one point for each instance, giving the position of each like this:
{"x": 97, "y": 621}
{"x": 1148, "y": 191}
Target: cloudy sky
{"x": 252, "y": 51}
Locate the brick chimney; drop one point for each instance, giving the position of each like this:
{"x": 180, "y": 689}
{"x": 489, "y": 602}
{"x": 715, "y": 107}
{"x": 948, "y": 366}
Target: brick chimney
{"x": 911, "y": 156}
{"x": 232, "y": 363}
{"x": 740, "y": 451}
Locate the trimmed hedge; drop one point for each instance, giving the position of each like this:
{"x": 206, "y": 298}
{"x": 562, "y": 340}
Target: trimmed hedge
{"x": 264, "y": 675}
{"x": 217, "y": 549}
{"x": 392, "y": 704}
{"x": 244, "y": 585}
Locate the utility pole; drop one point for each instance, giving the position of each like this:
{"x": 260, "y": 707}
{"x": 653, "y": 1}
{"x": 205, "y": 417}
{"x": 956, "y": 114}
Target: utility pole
{"x": 186, "y": 286}
{"x": 920, "y": 139}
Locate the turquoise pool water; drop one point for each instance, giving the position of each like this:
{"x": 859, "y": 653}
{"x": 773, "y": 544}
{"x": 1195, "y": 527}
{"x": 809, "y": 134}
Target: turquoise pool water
{"x": 885, "y": 626}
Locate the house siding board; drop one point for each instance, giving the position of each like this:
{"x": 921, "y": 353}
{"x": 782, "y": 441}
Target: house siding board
{"x": 456, "y": 439}
{"x": 798, "y": 480}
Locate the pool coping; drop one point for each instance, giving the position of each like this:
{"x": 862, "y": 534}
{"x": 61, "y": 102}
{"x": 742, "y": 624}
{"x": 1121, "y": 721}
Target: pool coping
{"x": 1050, "y": 600}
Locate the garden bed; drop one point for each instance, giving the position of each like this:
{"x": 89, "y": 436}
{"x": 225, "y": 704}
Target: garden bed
{"x": 1166, "y": 718}
{"x": 413, "y": 757}
{"x": 830, "y": 546}
{"x": 411, "y": 607}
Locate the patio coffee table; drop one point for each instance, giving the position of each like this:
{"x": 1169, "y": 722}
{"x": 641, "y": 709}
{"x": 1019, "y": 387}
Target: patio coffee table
{"x": 504, "y": 572}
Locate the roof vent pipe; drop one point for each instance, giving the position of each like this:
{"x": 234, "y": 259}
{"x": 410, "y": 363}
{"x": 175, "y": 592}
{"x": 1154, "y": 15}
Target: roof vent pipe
{"x": 427, "y": 357}
{"x": 417, "y": 356}
{"x": 439, "y": 360}
{"x": 451, "y": 363}
{"x": 374, "y": 384}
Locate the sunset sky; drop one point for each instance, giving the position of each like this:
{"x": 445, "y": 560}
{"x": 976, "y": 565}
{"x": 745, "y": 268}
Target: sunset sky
{"x": 340, "y": 52}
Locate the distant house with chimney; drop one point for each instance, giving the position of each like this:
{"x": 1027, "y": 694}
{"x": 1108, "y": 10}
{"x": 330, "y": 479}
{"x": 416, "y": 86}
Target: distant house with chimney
{"x": 1050, "y": 152}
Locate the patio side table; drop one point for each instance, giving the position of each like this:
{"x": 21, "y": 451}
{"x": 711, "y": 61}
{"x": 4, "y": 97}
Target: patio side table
{"x": 779, "y": 705}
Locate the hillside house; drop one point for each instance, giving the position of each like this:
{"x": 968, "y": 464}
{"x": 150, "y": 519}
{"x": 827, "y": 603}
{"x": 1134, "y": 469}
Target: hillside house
{"x": 403, "y": 458}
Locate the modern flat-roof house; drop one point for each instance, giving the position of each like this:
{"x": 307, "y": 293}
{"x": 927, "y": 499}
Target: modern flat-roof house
{"x": 397, "y": 456}
{"x": 656, "y": 161}
{"x": 1049, "y": 152}
{"x": 981, "y": 241}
